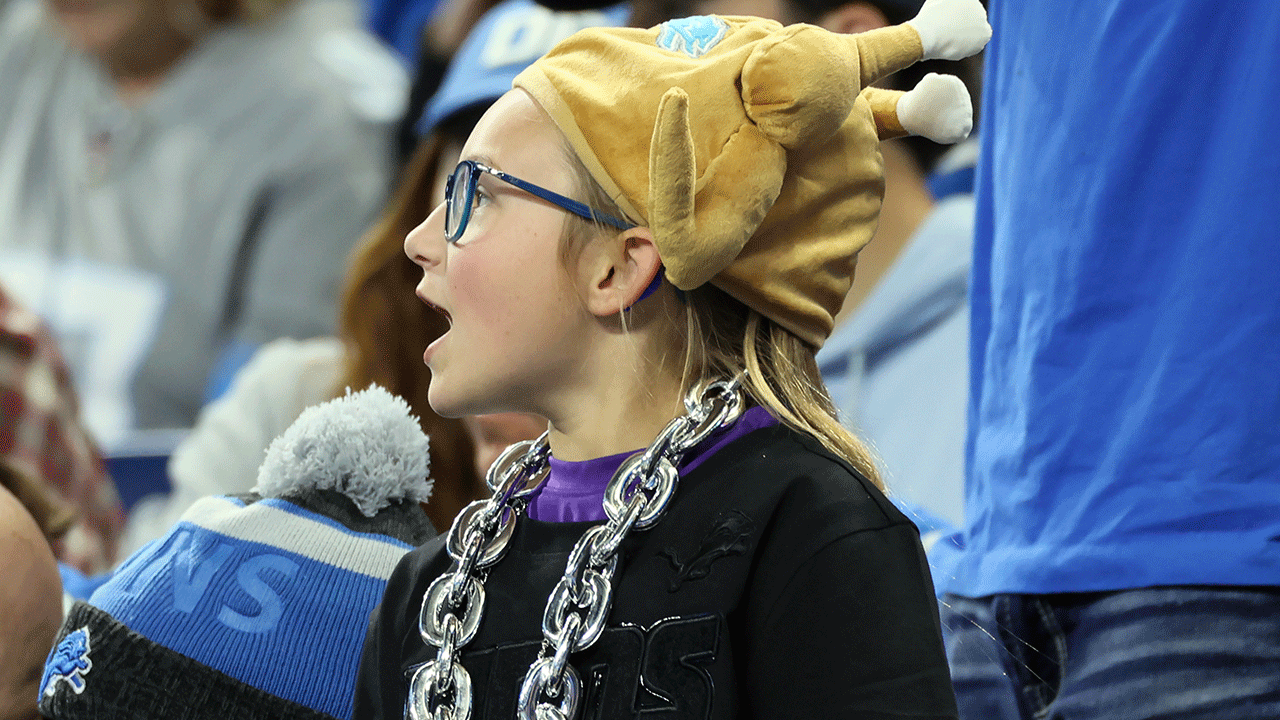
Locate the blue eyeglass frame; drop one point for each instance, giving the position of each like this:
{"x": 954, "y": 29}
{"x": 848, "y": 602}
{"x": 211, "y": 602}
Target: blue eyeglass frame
{"x": 555, "y": 198}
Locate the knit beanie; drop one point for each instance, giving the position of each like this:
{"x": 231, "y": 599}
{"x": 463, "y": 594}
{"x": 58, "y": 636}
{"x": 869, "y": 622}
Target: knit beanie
{"x": 751, "y": 150}
{"x": 256, "y": 606}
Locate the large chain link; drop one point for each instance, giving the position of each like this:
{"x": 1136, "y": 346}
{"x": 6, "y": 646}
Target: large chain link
{"x": 454, "y": 603}
{"x": 578, "y": 606}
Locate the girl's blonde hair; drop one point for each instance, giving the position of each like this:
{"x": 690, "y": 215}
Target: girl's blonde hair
{"x": 723, "y": 338}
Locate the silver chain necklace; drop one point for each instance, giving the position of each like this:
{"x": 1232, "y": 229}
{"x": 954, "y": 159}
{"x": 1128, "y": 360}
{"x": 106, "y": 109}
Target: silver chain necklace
{"x": 578, "y": 607}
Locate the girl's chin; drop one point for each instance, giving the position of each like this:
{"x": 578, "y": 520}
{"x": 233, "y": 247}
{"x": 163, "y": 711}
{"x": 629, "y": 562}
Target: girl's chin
{"x": 441, "y": 403}
{"x": 445, "y": 403}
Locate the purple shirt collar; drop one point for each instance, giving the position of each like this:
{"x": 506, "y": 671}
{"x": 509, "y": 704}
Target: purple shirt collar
{"x": 574, "y": 491}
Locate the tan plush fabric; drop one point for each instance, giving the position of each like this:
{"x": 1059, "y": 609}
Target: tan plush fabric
{"x": 756, "y": 164}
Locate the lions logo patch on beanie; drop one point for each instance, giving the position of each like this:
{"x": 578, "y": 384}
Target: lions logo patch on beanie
{"x": 69, "y": 661}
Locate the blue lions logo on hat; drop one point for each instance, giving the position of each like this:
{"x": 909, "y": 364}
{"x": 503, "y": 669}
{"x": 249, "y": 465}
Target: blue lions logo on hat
{"x": 69, "y": 661}
{"x": 693, "y": 36}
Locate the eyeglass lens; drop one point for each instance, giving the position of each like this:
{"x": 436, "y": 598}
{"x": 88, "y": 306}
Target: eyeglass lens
{"x": 458, "y": 207}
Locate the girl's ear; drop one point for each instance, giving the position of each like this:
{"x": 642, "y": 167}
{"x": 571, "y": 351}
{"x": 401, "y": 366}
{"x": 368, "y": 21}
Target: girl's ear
{"x": 619, "y": 270}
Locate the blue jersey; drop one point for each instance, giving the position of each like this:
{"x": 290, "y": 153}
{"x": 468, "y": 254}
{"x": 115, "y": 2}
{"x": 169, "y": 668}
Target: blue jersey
{"x": 1124, "y": 420}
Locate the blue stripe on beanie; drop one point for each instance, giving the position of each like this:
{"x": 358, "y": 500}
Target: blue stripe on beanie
{"x": 289, "y": 624}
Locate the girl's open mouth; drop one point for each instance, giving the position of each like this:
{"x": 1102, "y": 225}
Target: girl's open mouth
{"x": 437, "y": 308}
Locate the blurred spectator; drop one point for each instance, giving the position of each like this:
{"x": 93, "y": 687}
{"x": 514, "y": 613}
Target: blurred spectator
{"x": 30, "y": 598}
{"x": 180, "y": 180}
{"x": 431, "y": 47}
{"x": 50, "y": 512}
{"x": 401, "y": 24}
{"x": 1120, "y": 556}
{"x": 384, "y": 327}
{"x": 41, "y": 438}
{"x": 896, "y": 363}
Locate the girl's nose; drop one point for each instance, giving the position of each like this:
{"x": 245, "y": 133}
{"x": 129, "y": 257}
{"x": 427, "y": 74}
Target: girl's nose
{"x": 425, "y": 244}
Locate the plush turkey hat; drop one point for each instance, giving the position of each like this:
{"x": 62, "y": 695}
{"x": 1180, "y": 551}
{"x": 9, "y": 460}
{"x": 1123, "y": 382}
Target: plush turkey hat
{"x": 748, "y": 148}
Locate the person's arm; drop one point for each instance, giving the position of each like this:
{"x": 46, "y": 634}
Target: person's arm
{"x": 853, "y": 633}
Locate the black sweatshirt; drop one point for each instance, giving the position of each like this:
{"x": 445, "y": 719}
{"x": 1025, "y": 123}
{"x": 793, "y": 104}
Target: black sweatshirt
{"x": 779, "y": 584}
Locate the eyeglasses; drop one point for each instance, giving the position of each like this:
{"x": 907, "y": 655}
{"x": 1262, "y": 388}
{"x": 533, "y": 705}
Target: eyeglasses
{"x": 457, "y": 205}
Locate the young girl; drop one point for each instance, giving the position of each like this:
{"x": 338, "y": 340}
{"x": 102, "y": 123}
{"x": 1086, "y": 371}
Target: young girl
{"x": 696, "y": 536}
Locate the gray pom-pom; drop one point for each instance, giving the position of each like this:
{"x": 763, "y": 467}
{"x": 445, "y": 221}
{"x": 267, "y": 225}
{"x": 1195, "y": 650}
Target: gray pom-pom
{"x": 366, "y": 445}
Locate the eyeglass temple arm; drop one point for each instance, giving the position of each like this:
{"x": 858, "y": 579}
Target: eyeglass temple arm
{"x": 573, "y": 206}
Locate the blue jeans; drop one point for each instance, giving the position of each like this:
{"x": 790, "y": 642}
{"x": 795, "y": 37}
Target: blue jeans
{"x": 1173, "y": 653}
